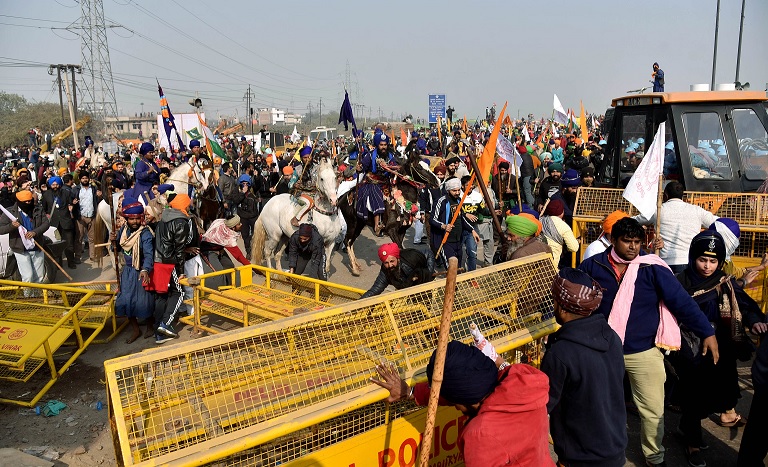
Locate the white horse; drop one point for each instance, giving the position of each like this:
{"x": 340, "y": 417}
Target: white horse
{"x": 272, "y": 230}
{"x": 187, "y": 172}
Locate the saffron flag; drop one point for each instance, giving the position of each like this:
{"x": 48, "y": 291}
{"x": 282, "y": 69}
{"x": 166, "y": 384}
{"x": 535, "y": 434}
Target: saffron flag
{"x": 403, "y": 137}
{"x": 345, "y": 115}
{"x": 643, "y": 188}
{"x": 486, "y": 160}
{"x": 169, "y": 124}
{"x": 583, "y": 123}
{"x": 210, "y": 142}
{"x": 464, "y": 124}
{"x": 559, "y": 115}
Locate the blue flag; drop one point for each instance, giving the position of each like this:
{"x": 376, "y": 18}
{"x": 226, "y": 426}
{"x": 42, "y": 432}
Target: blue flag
{"x": 345, "y": 115}
{"x": 169, "y": 124}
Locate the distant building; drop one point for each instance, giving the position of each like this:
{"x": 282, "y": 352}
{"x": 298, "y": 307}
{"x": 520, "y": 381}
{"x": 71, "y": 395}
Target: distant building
{"x": 293, "y": 119}
{"x": 137, "y": 126}
{"x": 271, "y": 116}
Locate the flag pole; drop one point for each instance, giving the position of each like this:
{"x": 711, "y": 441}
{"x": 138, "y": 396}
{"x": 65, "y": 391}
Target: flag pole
{"x": 658, "y": 208}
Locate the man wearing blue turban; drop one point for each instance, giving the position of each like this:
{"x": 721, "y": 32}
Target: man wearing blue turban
{"x": 370, "y": 199}
{"x": 58, "y": 203}
{"x": 146, "y": 172}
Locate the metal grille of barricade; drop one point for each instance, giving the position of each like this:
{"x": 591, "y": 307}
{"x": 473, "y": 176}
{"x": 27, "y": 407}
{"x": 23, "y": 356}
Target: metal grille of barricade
{"x": 599, "y": 202}
{"x": 193, "y": 400}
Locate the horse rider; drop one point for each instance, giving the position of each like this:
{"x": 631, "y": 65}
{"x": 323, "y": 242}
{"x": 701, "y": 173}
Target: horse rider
{"x": 305, "y": 184}
{"x": 146, "y": 172}
{"x": 370, "y": 197}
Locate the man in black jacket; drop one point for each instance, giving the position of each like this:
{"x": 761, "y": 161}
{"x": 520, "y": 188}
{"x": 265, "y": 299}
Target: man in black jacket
{"x": 401, "y": 268}
{"x": 176, "y": 240}
{"x": 58, "y": 205}
{"x": 585, "y": 365}
{"x": 307, "y": 247}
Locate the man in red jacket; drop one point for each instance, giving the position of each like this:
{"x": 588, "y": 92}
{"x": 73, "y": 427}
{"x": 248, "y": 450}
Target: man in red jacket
{"x": 506, "y": 406}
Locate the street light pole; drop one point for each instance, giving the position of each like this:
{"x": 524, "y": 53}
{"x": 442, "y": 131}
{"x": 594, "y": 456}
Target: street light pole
{"x": 714, "y": 55}
{"x": 741, "y": 32}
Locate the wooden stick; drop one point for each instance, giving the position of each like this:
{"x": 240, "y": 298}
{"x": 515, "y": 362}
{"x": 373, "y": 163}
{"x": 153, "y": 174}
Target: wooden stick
{"x": 456, "y": 213}
{"x": 517, "y": 185}
{"x": 437, "y": 374}
{"x": 48, "y": 255}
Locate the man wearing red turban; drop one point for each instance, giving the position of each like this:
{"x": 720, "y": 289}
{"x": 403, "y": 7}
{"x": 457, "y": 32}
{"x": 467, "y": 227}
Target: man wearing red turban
{"x": 401, "y": 269}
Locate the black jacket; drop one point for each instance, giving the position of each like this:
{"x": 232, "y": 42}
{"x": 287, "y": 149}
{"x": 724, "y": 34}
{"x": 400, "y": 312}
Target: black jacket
{"x": 315, "y": 248}
{"x": 587, "y": 418}
{"x": 415, "y": 268}
{"x": 60, "y": 218}
{"x": 39, "y": 221}
{"x": 248, "y": 207}
{"x": 174, "y": 233}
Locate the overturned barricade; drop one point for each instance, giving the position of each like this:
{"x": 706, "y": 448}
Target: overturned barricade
{"x": 259, "y": 295}
{"x": 750, "y": 210}
{"x": 297, "y": 391}
{"x": 44, "y": 328}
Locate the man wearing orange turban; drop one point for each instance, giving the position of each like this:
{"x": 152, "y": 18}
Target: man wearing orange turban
{"x": 26, "y": 219}
{"x": 604, "y": 241}
{"x": 176, "y": 242}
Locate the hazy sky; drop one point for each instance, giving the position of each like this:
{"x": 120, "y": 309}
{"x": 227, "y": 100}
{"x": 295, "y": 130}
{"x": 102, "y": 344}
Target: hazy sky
{"x": 294, "y": 53}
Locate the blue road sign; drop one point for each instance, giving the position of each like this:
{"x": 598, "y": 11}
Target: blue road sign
{"x": 436, "y": 107}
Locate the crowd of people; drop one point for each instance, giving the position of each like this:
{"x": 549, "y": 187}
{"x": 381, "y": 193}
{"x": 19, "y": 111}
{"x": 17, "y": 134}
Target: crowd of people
{"x": 682, "y": 315}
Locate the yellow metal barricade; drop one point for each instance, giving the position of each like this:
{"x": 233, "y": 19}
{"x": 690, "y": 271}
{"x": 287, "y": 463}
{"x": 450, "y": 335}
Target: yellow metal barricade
{"x": 750, "y": 210}
{"x": 36, "y": 320}
{"x": 281, "y": 391}
{"x": 260, "y": 295}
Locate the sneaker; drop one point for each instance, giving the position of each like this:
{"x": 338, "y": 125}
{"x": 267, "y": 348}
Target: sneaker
{"x": 695, "y": 459}
{"x": 167, "y": 330}
{"x": 161, "y": 339}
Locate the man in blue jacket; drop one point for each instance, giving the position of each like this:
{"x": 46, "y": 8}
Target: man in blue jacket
{"x": 639, "y": 320}
{"x": 585, "y": 365}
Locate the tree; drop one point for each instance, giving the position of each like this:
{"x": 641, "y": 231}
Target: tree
{"x": 17, "y": 116}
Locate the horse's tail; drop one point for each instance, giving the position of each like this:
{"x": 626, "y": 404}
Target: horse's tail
{"x": 257, "y": 243}
{"x": 99, "y": 235}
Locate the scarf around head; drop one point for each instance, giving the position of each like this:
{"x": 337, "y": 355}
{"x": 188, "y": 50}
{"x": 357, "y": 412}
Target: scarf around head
{"x": 668, "y": 332}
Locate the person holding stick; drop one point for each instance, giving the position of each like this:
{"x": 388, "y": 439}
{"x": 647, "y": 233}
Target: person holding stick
{"x": 506, "y": 405}
{"x": 31, "y": 222}
{"x": 136, "y": 242}
{"x": 442, "y": 214}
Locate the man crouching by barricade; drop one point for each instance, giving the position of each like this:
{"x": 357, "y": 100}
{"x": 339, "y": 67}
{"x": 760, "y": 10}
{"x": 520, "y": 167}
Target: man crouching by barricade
{"x": 401, "y": 268}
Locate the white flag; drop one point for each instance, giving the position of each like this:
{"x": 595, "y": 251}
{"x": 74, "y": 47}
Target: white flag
{"x": 295, "y": 136}
{"x": 643, "y": 188}
{"x": 508, "y": 152}
{"x": 560, "y": 115}
{"x": 28, "y": 243}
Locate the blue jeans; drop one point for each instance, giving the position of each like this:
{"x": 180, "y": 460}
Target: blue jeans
{"x": 468, "y": 241}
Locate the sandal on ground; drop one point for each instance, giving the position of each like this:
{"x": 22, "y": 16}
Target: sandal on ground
{"x": 738, "y": 422}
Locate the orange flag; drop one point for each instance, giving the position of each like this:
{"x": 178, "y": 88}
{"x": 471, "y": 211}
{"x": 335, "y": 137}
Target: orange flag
{"x": 583, "y": 123}
{"x": 464, "y": 125}
{"x": 486, "y": 160}
{"x": 506, "y": 121}
{"x": 392, "y": 135}
{"x": 403, "y": 137}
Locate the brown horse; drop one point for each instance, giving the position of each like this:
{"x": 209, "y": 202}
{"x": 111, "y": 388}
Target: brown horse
{"x": 397, "y": 218}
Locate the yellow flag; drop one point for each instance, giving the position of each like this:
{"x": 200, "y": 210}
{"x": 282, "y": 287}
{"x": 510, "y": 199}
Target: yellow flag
{"x": 583, "y": 123}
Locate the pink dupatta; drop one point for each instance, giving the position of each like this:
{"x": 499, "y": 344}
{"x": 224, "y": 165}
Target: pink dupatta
{"x": 668, "y": 333}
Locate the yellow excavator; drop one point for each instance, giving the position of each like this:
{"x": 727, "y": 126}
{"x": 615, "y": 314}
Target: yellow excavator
{"x": 66, "y": 133}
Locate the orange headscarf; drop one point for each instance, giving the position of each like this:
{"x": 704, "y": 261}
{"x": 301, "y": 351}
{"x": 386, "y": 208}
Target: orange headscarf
{"x": 533, "y": 219}
{"x": 24, "y": 195}
{"x": 611, "y": 219}
{"x": 181, "y": 202}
